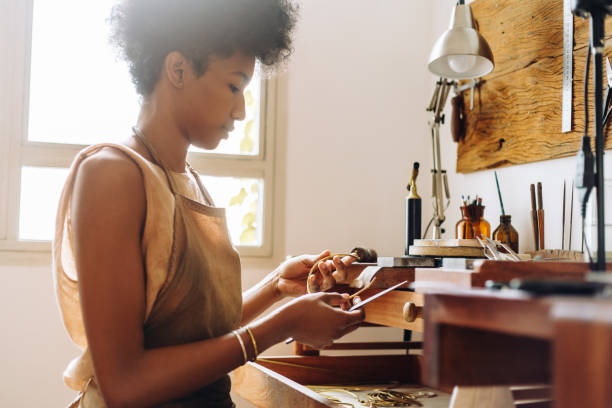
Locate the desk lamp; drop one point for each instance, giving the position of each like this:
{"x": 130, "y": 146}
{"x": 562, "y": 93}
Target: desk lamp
{"x": 460, "y": 53}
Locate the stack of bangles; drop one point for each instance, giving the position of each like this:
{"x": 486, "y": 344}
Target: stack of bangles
{"x": 245, "y": 355}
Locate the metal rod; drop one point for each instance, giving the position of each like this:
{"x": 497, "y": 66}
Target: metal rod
{"x": 597, "y": 34}
{"x": 563, "y": 220}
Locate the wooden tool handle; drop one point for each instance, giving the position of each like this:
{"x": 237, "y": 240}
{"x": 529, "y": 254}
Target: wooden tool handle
{"x": 541, "y": 228}
{"x": 540, "y": 201}
{"x": 534, "y": 225}
{"x": 457, "y": 119}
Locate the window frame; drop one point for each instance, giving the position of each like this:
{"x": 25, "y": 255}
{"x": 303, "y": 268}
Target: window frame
{"x": 16, "y": 18}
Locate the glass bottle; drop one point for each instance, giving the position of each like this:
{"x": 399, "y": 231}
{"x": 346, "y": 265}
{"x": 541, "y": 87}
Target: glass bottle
{"x": 472, "y": 224}
{"x": 484, "y": 226}
{"x": 506, "y": 233}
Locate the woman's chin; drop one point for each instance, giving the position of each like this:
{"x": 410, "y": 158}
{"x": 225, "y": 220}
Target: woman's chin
{"x": 206, "y": 144}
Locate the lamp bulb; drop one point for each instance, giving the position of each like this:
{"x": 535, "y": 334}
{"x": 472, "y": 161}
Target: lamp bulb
{"x": 461, "y": 63}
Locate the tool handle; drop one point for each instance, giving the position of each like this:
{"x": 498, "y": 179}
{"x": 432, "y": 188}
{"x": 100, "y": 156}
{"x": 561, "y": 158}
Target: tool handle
{"x": 457, "y": 119}
{"x": 540, "y": 200}
{"x": 541, "y": 228}
{"x": 534, "y": 225}
{"x": 533, "y": 197}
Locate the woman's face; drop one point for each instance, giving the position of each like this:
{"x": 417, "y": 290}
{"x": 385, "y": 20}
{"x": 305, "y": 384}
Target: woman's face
{"x": 211, "y": 103}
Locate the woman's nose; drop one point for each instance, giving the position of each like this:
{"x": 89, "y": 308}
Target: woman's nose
{"x": 239, "y": 112}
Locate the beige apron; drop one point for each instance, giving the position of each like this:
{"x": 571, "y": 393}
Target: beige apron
{"x": 199, "y": 297}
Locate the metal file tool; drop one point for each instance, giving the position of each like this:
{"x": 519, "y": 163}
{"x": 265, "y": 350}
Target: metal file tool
{"x": 376, "y": 296}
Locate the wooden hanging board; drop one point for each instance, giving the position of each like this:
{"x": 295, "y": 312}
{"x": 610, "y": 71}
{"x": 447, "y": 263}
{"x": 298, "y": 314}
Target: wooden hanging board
{"x": 518, "y": 108}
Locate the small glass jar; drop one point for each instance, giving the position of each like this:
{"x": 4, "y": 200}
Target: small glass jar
{"x": 472, "y": 224}
{"x": 506, "y": 233}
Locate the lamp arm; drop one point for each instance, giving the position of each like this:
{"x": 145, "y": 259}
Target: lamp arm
{"x": 437, "y": 181}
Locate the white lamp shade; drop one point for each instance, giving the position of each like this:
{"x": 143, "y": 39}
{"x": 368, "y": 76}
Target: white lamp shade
{"x": 461, "y": 52}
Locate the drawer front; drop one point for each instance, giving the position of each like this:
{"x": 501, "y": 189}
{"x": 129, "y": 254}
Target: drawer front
{"x": 265, "y": 388}
{"x": 399, "y": 308}
{"x": 280, "y": 381}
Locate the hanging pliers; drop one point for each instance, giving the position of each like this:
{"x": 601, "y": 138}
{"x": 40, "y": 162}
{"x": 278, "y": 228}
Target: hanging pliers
{"x": 608, "y": 98}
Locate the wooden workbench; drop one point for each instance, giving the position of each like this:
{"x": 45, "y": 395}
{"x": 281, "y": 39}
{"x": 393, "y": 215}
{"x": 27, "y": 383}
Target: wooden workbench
{"x": 479, "y": 338}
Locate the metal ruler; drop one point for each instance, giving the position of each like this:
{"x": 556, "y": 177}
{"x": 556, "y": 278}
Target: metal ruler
{"x": 568, "y": 66}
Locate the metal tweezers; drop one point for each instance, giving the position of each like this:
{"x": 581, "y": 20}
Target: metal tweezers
{"x": 491, "y": 251}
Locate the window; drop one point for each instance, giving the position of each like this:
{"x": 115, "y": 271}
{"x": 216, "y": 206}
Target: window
{"x": 66, "y": 90}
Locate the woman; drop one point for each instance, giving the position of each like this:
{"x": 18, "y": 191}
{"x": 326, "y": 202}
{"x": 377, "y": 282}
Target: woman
{"x": 147, "y": 280}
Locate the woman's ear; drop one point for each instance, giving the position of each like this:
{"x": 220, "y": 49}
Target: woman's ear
{"x": 175, "y": 65}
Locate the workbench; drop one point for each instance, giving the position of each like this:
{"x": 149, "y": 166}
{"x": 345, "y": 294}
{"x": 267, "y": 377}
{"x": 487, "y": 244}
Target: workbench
{"x": 483, "y": 338}
{"x": 506, "y": 341}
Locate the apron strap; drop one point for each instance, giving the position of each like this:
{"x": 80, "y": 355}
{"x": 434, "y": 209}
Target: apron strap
{"x": 155, "y": 157}
{"x": 201, "y": 186}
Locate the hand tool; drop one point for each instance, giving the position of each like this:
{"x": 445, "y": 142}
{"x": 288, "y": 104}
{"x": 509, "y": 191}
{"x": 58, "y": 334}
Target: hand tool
{"x": 534, "y": 218}
{"x": 501, "y": 202}
{"x": 571, "y": 217}
{"x": 458, "y": 119}
{"x": 563, "y": 220}
{"x": 608, "y": 97}
{"x": 540, "y": 217}
{"x": 376, "y": 296}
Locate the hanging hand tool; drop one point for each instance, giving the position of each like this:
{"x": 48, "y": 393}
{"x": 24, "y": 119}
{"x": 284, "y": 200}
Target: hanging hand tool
{"x": 534, "y": 218}
{"x": 608, "y": 97}
{"x": 563, "y": 220}
{"x": 540, "y": 217}
{"x": 571, "y": 217}
{"x": 458, "y": 119}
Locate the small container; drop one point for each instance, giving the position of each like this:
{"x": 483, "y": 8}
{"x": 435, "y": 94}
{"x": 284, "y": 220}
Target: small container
{"x": 506, "y": 233}
{"x": 472, "y": 223}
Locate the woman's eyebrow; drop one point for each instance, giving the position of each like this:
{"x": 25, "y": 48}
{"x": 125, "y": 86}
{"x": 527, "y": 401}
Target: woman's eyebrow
{"x": 245, "y": 77}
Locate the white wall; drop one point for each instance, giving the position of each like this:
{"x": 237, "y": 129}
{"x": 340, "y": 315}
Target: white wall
{"x": 356, "y": 123}
{"x": 34, "y": 348}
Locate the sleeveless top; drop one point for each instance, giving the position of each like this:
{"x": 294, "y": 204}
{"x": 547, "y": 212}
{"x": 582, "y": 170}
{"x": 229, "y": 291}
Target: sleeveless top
{"x": 193, "y": 288}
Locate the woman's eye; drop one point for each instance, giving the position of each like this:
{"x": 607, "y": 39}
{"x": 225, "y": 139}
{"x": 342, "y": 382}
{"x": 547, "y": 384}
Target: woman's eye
{"x": 234, "y": 89}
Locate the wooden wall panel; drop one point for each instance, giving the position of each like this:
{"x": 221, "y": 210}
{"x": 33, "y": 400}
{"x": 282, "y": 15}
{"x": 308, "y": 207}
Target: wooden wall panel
{"x": 517, "y": 109}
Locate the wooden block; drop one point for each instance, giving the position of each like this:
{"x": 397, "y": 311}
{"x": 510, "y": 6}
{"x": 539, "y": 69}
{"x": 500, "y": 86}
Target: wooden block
{"x": 448, "y": 243}
{"x": 445, "y": 251}
{"x": 517, "y": 110}
{"x": 500, "y": 271}
{"x": 405, "y": 262}
{"x": 359, "y": 275}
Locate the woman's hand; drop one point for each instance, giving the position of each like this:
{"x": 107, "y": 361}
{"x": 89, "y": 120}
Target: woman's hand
{"x": 292, "y": 274}
{"x": 316, "y": 320}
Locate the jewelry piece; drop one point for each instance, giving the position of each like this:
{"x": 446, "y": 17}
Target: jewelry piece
{"x": 253, "y": 340}
{"x": 244, "y": 353}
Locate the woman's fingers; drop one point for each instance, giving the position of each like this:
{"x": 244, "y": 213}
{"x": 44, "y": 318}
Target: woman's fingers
{"x": 334, "y": 298}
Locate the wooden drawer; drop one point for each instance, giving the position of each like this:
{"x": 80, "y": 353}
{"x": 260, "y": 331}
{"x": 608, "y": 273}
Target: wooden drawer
{"x": 391, "y": 309}
{"x": 276, "y": 382}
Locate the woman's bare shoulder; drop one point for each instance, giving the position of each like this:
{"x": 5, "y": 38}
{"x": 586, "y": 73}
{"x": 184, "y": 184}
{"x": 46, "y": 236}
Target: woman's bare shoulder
{"x": 109, "y": 178}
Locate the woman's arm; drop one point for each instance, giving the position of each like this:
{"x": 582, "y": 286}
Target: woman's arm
{"x": 108, "y": 210}
{"x": 289, "y": 280}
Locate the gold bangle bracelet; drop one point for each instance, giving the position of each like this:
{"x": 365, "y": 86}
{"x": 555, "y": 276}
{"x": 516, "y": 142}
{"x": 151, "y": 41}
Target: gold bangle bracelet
{"x": 254, "y": 342}
{"x": 244, "y": 353}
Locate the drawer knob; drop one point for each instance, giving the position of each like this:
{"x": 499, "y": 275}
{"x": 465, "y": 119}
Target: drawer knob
{"x": 410, "y": 312}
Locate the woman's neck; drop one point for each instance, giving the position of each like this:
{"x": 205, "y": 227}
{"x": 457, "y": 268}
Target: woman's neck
{"x": 162, "y": 132}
